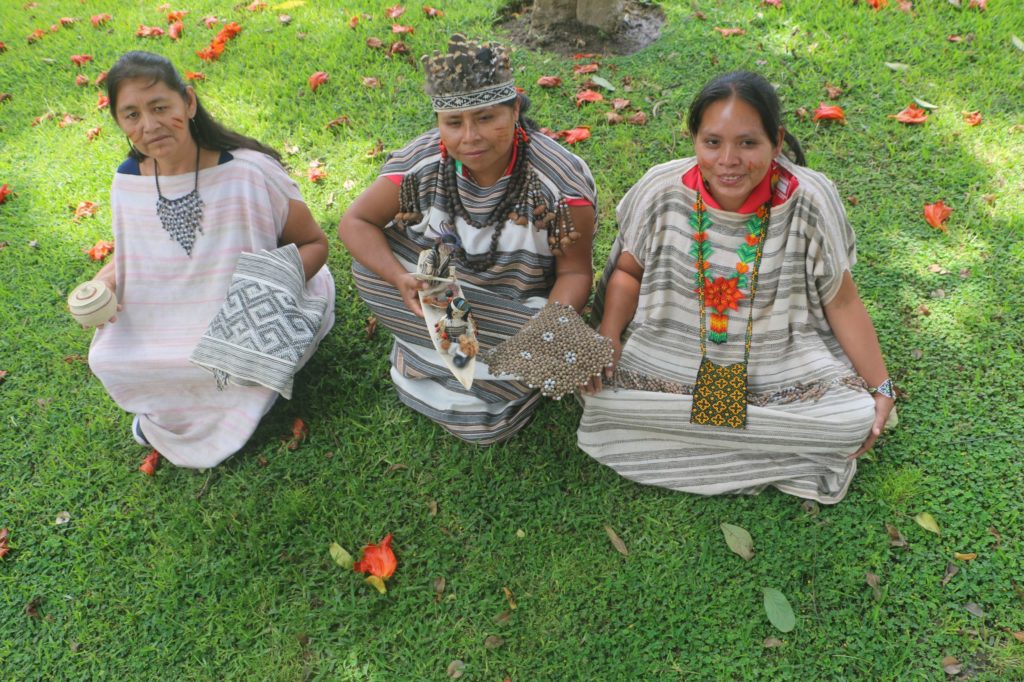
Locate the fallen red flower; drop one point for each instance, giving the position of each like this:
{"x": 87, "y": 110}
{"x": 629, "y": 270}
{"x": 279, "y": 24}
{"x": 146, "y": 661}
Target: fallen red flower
{"x": 99, "y": 250}
{"x": 67, "y": 21}
{"x": 84, "y": 210}
{"x": 149, "y": 31}
{"x": 103, "y": 102}
{"x": 256, "y": 6}
{"x": 577, "y": 134}
{"x": 175, "y": 29}
{"x": 588, "y": 96}
{"x": 978, "y": 4}
{"x": 5, "y": 192}
{"x": 3, "y": 47}
{"x": 100, "y": 79}
{"x": 912, "y": 115}
{"x": 210, "y": 21}
{"x": 316, "y": 174}
{"x": 773, "y": 3}
{"x": 93, "y": 133}
{"x": 176, "y": 16}
{"x": 99, "y": 19}
{"x": 394, "y": 12}
{"x": 318, "y": 79}
{"x": 80, "y": 59}
{"x": 584, "y": 55}
{"x": 829, "y": 112}
{"x": 81, "y": 80}
{"x": 149, "y": 464}
{"x": 727, "y": 32}
{"x": 4, "y": 534}
{"x": 353, "y": 22}
{"x": 230, "y": 30}
{"x": 35, "y": 35}
{"x": 378, "y": 560}
{"x": 971, "y": 118}
{"x": 549, "y": 81}
{"x": 398, "y": 28}
{"x": 936, "y": 214}
{"x": 195, "y": 75}
{"x": 371, "y": 82}
{"x": 586, "y": 68}
{"x": 68, "y": 119}
{"x": 878, "y": 4}
{"x": 431, "y": 12}
{"x": 638, "y": 119}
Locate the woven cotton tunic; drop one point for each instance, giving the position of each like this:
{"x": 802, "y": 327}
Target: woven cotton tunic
{"x": 170, "y": 298}
{"x": 503, "y": 297}
{"x": 808, "y": 411}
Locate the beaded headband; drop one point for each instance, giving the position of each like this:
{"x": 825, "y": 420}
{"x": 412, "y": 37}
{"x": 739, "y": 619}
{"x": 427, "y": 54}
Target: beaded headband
{"x": 471, "y": 75}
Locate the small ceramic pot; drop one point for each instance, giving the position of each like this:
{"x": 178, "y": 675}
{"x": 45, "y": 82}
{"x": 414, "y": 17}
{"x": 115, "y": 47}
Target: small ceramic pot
{"x": 92, "y": 303}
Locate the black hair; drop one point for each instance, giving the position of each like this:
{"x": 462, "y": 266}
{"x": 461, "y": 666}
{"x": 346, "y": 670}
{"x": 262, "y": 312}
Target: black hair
{"x": 753, "y": 89}
{"x": 207, "y": 132}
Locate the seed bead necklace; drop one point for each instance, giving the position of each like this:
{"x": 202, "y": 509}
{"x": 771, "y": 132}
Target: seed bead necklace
{"x": 720, "y": 392}
{"x": 181, "y": 218}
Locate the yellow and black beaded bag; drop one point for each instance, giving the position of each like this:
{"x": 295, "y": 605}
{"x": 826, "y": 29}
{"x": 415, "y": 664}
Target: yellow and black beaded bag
{"x": 720, "y": 391}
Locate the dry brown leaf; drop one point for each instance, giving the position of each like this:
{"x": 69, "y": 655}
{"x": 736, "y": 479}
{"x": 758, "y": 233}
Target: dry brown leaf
{"x": 896, "y": 538}
{"x": 833, "y": 91}
{"x": 951, "y": 570}
{"x": 617, "y": 542}
{"x": 991, "y": 529}
{"x": 510, "y": 598}
{"x": 875, "y": 582}
{"x": 493, "y": 642}
{"x": 439, "y": 585}
{"x": 503, "y": 617}
{"x": 376, "y": 150}
{"x": 923, "y": 310}
{"x": 612, "y": 118}
{"x": 455, "y": 669}
{"x": 974, "y": 610}
{"x": 371, "y": 326}
{"x": 1019, "y": 635}
{"x": 395, "y": 467}
{"x": 771, "y": 642}
{"x": 32, "y": 607}
{"x": 951, "y": 665}
{"x": 965, "y": 556}
{"x": 432, "y": 507}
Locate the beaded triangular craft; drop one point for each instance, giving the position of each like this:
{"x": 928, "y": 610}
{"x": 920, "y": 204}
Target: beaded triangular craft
{"x": 556, "y": 351}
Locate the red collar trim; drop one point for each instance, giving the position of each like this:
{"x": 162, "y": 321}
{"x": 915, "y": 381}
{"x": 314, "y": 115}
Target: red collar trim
{"x": 785, "y": 184}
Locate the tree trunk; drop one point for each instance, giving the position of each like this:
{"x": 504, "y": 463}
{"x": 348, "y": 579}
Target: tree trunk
{"x": 604, "y": 15}
{"x": 550, "y": 12}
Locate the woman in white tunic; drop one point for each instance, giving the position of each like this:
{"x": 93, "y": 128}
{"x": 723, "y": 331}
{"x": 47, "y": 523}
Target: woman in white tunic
{"x": 735, "y": 265}
{"x": 189, "y": 200}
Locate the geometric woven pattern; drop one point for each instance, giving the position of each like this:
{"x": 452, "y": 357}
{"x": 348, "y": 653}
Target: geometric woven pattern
{"x": 720, "y": 395}
{"x": 266, "y": 324}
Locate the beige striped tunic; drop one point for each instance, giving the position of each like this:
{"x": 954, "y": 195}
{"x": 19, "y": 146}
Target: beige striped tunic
{"x": 807, "y": 411}
{"x": 503, "y": 297}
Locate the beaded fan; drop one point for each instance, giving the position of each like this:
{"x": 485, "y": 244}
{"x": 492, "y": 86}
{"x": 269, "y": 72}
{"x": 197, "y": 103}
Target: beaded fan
{"x": 555, "y": 351}
{"x": 469, "y": 76}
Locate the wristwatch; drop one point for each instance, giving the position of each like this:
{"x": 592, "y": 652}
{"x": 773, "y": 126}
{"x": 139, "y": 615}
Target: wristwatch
{"x": 886, "y": 388}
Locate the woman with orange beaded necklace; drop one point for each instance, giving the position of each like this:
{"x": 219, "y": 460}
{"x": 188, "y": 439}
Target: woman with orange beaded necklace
{"x": 744, "y": 355}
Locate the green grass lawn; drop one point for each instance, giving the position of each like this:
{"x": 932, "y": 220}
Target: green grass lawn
{"x": 226, "y": 574}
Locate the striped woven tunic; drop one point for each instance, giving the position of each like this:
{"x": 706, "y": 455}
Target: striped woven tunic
{"x": 170, "y": 297}
{"x": 807, "y": 410}
{"x": 503, "y": 297}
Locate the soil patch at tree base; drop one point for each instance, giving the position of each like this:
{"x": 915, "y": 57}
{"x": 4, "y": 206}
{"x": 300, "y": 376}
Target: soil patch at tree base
{"x": 640, "y": 26}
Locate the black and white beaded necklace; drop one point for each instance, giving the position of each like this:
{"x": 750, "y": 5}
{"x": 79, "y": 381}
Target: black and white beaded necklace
{"x": 181, "y": 218}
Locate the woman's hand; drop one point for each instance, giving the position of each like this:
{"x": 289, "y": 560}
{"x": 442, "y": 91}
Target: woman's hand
{"x": 883, "y": 406}
{"x": 107, "y": 277}
{"x": 594, "y": 385}
{"x": 408, "y": 288}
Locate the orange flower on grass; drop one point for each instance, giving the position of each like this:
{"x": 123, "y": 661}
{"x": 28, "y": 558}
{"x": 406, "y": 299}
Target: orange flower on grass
{"x": 100, "y": 250}
{"x": 5, "y": 192}
{"x": 722, "y": 294}
{"x": 972, "y": 118}
{"x": 318, "y": 79}
{"x": 829, "y": 113}
{"x": 911, "y": 115}
{"x": 936, "y": 214}
{"x": 149, "y": 464}
{"x": 379, "y": 561}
